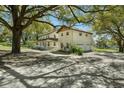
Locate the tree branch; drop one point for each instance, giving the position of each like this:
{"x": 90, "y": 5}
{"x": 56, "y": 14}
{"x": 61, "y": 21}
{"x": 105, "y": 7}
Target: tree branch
{"x": 92, "y": 11}
{"x": 23, "y": 10}
{"x": 5, "y": 23}
{"x": 7, "y": 7}
{"x": 44, "y": 22}
{"x": 118, "y": 29}
{"x": 34, "y": 8}
{"x": 74, "y": 14}
{"x": 40, "y": 13}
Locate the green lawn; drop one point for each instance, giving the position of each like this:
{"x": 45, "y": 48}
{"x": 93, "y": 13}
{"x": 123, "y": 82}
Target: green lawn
{"x": 105, "y": 50}
{"x": 3, "y": 47}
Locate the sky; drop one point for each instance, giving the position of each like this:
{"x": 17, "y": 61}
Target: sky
{"x": 78, "y": 26}
{"x": 57, "y": 22}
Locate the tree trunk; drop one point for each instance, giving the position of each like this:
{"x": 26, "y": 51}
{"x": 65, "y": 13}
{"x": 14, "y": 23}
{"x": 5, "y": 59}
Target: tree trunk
{"x": 121, "y": 46}
{"x": 16, "y": 41}
{"x": 37, "y": 38}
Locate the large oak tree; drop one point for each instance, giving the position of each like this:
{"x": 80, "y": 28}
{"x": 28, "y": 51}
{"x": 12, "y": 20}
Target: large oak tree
{"x": 112, "y": 23}
{"x": 18, "y": 17}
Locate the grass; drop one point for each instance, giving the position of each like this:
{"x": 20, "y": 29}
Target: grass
{"x": 105, "y": 50}
{"x": 5, "y": 47}
{"x": 8, "y": 48}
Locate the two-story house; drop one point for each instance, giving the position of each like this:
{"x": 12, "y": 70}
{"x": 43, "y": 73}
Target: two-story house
{"x": 72, "y": 37}
{"x": 66, "y": 37}
{"x": 49, "y": 40}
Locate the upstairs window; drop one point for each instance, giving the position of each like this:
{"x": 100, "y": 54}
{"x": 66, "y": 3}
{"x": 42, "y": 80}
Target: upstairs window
{"x": 67, "y": 33}
{"x": 80, "y": 34}
{"x": 61, "y": 45}
{"x": 61, "y": 34}
{"x": 67, "y": 45}
{"x": 48, "y": 43}
{"x": 54, "y": 43}
{"x": 54, "y": 36}
{"x": 86, "y": 35}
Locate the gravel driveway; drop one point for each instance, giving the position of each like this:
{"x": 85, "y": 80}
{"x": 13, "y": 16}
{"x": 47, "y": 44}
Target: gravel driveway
{"x": 47, "y": 70}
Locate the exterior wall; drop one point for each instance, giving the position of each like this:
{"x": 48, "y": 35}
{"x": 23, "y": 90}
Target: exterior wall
{"x": 83, "y": 40}
{"x": 65, "y": 39}
{"x": 74, "y": 38}
{"x": 51, "y": 44}
{"x": 48, "y": 43}
{"x": 51, "y": 35}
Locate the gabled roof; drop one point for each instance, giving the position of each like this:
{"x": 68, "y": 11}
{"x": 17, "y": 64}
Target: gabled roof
{"x": 64, "y": 28}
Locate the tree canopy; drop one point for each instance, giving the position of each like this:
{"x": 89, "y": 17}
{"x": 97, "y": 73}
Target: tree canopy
{"x": 20, "y": 18}
{"x": 111, "y": 23}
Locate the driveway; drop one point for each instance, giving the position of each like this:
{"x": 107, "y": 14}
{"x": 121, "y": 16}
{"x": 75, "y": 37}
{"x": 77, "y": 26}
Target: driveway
{"x": 39, "y": 69}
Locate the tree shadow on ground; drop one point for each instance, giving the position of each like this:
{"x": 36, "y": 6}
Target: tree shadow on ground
{"x": 22, "y": 78}
{"x": 32, "y": 58}
{"x": 61, "y": 52}
{"x": 40, "y": 59}
{"x": 111, "y": 55}
{"x": 66, "y": 79}
{"x": 66, "y": 52}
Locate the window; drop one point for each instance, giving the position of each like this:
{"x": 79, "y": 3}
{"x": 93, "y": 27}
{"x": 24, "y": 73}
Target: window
{"x": 48, "y": 36}
{"x": 54, "y": 43}
{"x": 43, "y": 44}
{"x": 86, "y": 35}
{"x": 80, "y": 34}
{"x": 67, "y": 45}
{"x": 61, "y": 34}
{"x": 54, "y": 36}
{"x": 61, "y": 45}
{"x": 67, "y": 33}
{"x": 48, "y": 43}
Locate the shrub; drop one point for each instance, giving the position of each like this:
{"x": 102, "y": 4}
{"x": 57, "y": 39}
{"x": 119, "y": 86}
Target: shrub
{"x": 76, "y": 50}
{"x": 29, "y": 44}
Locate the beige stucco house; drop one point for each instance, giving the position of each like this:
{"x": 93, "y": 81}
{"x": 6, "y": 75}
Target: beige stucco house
{"x": 49, "y": 40}
{"x": 66, "y": 37}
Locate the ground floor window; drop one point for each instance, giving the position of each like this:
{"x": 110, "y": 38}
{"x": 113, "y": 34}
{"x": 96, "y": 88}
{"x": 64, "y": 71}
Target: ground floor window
{"x": 54, "y": 44}
{"x": 67, "y": 45}
{"x": 61, "y": 45}
{"x": 48, "y": 43}
{"x": 43, "y": 43}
